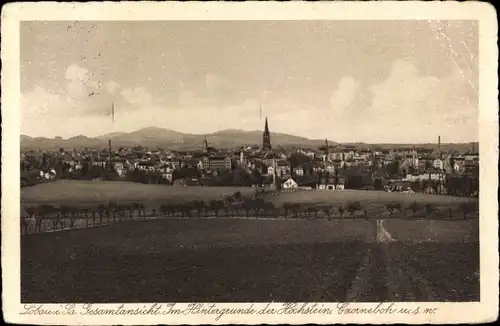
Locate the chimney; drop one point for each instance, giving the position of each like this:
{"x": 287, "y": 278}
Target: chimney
{"x": 110, "y": 165}
{"x": 439, "y": 146}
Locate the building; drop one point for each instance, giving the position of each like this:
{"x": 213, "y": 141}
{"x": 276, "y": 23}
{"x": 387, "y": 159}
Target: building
{"x": 119, "y": 165}
{"x": 304, "y": 182}
{"x": 438, "y": 164}
{"x": 331, "y": 184}
{"x": 215, "y": 163}
{"x": 298, "y": 171}
{"x": 266, "y": 138}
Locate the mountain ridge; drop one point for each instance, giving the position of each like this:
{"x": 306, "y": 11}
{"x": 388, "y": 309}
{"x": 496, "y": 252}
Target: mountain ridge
{"x": 167, "y": 138}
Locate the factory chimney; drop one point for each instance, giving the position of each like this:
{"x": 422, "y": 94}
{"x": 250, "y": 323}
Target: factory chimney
{"x": 110, "y": 157}
{"x": 439, "y": 146}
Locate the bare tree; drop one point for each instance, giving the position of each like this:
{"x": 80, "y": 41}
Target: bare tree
{"x": 268, "y": 209}
{"x": 311, "y": 210}
{"x": 237, "y": 196}
{"x": 247, "y": 206}
{"x": 198, "y": 205}
{"x": 287, "y": 207}
{"x": 414, "y": 207}
{"x": 429, "y": 209}
{"x": 341, "y": 210}
{"x": 467, "y": 208}
{"x": 353, "y": 207}
{"x": 390, "y": 209}
{"x": 25, "y": 222}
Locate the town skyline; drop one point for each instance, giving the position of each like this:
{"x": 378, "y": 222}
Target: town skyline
{"x": 311, "y": 79}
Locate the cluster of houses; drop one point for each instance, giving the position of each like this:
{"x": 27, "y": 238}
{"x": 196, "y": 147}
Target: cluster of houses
{"x": 323, "y": 168}
{"x": 411, "y": 167}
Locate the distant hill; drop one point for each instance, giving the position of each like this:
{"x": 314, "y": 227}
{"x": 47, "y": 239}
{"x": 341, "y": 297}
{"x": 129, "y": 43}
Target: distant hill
{"x": 154, "y": 137}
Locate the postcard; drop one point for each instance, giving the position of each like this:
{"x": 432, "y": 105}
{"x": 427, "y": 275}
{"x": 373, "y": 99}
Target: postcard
{"x": 249, "y": 163}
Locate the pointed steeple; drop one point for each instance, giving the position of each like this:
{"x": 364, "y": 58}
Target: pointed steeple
{"x": 266, "y": 138}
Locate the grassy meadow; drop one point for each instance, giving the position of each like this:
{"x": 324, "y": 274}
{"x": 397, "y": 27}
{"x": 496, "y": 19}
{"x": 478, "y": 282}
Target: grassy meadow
{"x": 91, "y": 192}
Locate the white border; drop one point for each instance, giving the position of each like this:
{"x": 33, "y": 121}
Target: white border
{"x": 12, "y": 14}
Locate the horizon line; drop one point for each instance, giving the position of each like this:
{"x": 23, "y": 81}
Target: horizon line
{"x": 243, "y": 130}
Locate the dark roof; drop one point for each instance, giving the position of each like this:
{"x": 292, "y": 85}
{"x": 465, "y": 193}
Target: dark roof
{"x": 192, "y": 162}
{"x": 146, "y": 163}
{"x": 304, "y": 180}
{"x": 217, "y": 158}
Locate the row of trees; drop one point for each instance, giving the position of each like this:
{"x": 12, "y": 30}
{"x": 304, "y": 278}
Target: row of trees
{"x": 231, "y": 205}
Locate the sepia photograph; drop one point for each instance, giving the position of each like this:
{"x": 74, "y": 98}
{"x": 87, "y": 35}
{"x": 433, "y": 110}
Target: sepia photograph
{"x": 249, "y": 161}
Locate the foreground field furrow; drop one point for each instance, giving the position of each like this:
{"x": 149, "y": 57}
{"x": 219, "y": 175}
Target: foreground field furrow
{"x": 444, "y": 272}
{"x": 242, "y": 260}
{"x": 336, "y": 277}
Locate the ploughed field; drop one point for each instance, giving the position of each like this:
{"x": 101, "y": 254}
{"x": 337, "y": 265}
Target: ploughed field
{"x": 242, "y": 260}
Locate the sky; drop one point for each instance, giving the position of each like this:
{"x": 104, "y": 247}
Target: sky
{"x": 370, "y": 81}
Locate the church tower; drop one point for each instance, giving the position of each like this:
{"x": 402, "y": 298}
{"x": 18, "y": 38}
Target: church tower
{"x": 242, "y": 156}
{"x": 266, "y": 138}
{"x": 205, "y": 145}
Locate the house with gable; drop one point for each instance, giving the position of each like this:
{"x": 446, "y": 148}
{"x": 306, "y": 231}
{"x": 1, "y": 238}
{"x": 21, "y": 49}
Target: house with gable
{"x": 305, "y": 182}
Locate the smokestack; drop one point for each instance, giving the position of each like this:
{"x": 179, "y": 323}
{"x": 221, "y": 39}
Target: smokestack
{"x": 439, "y": 146}
{"x": 110, "y": 165}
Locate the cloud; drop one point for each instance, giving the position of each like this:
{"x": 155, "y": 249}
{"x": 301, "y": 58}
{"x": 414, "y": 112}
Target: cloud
{"x": 137, "y": 96}
{"x": 112, "y": 86}
{"x": 78, "y": 81}
{"x": 344, "y": 95}
{"x": 192, "y": 99}
{"x": 40, "y": 101}
{"x": 215, "y": 90}
{"x": 41, "y": 106}
{"x": 409, "y": 106}
{"x": 76, "y": 73}
{"x": 216, "y": 85}
{"x": 80, "y": 96}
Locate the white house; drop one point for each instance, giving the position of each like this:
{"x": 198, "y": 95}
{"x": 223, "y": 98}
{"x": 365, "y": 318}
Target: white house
{"x": 167, "y": 176}
{"x": 331, "y": 184}
{"x": 438, "y": 164}
{"x": 290, "y": 184}
{"x": 299, "y": 171}
{"x": 119, "y": 168}
{"x": 459, "y": 166}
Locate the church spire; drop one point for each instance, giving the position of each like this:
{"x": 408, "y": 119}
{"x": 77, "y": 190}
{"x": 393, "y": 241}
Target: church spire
{"x": 266, "y": 138}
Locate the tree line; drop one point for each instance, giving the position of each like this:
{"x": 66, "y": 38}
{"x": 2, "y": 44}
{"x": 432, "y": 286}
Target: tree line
{"x": 230, "y": 205}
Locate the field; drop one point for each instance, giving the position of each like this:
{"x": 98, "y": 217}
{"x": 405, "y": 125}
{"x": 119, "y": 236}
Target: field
{"x": 228, "y": 259}
{"x": 240, "y": 260}
{"x": 84, "y": 193}
{"x": 92, "y": 192}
